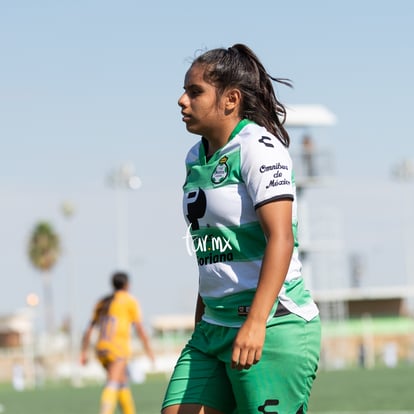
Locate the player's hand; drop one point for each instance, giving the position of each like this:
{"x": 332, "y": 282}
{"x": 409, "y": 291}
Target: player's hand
{"x": 153, "y": 363}
{"x": 83, "y": 358}
{"x": 248, "y": 345}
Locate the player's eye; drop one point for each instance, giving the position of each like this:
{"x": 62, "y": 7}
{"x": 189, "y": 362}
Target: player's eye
{"x": 194, "y": 92}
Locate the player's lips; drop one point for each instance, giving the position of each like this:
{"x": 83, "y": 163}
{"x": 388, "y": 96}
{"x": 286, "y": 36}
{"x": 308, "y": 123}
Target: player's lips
{"x": 185, "y": 117}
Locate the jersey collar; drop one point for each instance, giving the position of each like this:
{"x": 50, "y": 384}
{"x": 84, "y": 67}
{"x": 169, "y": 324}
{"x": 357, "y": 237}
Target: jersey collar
{"x": 239, "y": 127}
{"x": 236, "y": 130}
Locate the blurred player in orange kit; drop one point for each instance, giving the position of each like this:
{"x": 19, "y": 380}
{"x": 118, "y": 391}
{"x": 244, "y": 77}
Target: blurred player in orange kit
{"x": 113, "y": 316}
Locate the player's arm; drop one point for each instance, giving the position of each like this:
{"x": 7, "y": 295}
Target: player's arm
{"x": 86, "y": 338}
{"x": 199, "y": 309}
{"x": 276, "y": 220}
{"x": 142, "y": 334}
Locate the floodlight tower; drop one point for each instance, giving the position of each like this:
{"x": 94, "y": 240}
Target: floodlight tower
{"x": 122, "y": 179}
{"x": 312, "y": 168}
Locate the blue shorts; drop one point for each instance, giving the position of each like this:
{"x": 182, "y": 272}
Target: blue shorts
{"x": 279, "y": 383}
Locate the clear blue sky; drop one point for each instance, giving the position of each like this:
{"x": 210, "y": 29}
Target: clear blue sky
{"x": 86, "y": 85}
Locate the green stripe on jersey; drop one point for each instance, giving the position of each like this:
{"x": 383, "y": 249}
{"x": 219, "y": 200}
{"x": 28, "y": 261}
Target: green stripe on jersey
{"x": 218, "y": 171}
{"x": 243, "y": 243}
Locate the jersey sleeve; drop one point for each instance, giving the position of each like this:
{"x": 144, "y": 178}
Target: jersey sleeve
{"x": 135, "y": 311}
{"x": 266, "y": 168}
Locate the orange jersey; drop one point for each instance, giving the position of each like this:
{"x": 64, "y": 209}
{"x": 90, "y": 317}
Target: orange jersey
{"x": 115, "y": 323}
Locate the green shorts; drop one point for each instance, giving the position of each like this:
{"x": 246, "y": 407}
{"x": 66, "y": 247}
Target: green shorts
{"x": 280, "y": 383}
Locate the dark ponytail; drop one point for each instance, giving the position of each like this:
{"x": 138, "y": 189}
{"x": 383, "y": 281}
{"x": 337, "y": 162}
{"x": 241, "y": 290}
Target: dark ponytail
{"x": 238, "y": 66}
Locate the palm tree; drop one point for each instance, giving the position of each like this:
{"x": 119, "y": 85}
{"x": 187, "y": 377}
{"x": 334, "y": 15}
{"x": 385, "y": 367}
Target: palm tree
{"x": 44, "y": 250}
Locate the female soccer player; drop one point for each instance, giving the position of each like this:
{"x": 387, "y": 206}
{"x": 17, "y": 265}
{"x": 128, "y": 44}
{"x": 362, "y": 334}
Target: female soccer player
{"x": 114, "y": 315}
{"x": 256, "y": 342}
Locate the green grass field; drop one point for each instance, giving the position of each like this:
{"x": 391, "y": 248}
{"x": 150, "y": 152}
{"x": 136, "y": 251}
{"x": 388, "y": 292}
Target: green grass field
{"x": 381, "y": 390}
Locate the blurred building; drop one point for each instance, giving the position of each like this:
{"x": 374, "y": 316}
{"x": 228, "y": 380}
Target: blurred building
{"x": 15, "y": 329}
{"x": 364, "y": 321}
{"x": 16, "y": 339}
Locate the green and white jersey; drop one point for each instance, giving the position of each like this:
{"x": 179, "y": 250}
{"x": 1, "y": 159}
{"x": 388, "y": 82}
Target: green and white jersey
{"x": 221, "y": 196}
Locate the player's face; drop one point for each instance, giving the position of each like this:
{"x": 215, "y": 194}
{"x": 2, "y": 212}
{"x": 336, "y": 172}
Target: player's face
{"x": 201, "y": 110}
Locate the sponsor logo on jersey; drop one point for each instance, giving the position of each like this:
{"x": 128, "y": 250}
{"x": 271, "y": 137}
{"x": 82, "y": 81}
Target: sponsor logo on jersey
{"x": 196, "y": 207}
{"x": 276, "y": 183}
{"x": 269, "y": 406}
{"x": 267, "y": 141}
{"x": 277, "y": 177}
{"x": 209, "y": 249}
{"x": 214, "y": 258}
{"x": 221, "y": 171}
{"x": 278, "y": 166}
{"x": 243, "y": 310}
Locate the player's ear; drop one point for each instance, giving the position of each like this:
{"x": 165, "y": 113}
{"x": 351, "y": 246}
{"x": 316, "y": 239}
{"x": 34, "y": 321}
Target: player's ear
{"x": 233, "y": 99}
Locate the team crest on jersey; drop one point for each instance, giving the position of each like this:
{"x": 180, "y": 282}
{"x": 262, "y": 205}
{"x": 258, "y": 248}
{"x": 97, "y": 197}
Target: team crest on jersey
{"x": 221, "y": 171}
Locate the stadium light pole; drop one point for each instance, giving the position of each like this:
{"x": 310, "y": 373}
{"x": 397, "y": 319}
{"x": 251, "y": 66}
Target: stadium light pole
{"x": 122, "y": 179}
{"x": 68, "y": 211}
{"x": 32, "y": 301}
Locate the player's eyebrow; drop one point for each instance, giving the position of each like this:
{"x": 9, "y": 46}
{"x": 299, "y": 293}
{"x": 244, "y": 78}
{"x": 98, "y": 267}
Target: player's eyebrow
{"x": 191, "y": 86}
{"x": 194, "y": 87}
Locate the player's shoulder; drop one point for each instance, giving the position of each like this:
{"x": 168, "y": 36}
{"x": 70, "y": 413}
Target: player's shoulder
{"x": 257, "y": 141}
{"x": 256, "y": 136}
{"x": 125, "y": 295}
{"x": 131, "y": 298}
{"x": 104, "y": 300}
